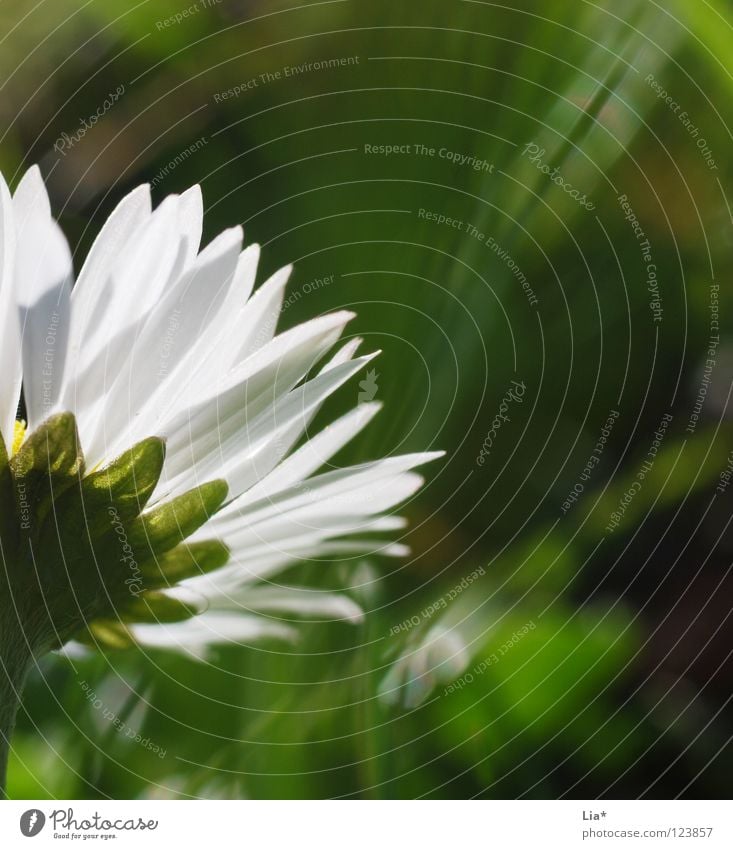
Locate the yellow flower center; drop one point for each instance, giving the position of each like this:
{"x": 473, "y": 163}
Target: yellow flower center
{"x": 18, "y": 437}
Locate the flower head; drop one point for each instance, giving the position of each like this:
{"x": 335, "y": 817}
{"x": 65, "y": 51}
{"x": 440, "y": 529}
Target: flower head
{"x": 159, "y": 478}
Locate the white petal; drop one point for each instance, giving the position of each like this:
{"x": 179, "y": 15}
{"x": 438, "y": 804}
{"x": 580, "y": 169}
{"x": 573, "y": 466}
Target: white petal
{"x": 346, "y": 352}
{"x": 163, "y": 346}
{"x": 301, "y": 519}
{"x": 151, "y": 261}
{"x": 196, "y": 636}
{"x": 207, "y": 359}
{"x": 231, "y": 594}
{"x": 191, "y": 221}
{"x": 261, "y": 444}
{"x": 261, "y": 315}
{"x": 10, "y": 355}
{"x": 43, "y": 274}
{"x": 92, "y": 290}
{"x": 301, "y": 601}
{"x": 195, "y": 436}
{"x": 316, "y": 452}
{"x": 154, "y": 255}
{"x": 340, "y": 490}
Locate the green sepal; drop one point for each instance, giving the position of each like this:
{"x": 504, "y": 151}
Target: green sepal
{"x": 154, "y": 607}
{"x": 116, "y": 493}
{"x": 47, "y": 464}
{"x": 160, "y": 530}
{"x": 107, "y": 633}
{"x": 184, "y": 561}
{"x": 81, "y": 529}
{"x": 84, "y": 555}
{"x": 128, "y": 482}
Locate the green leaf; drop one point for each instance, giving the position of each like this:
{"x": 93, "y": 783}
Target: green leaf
{"x": 680, "y": 468}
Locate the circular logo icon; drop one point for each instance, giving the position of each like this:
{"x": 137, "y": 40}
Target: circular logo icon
{"x": 31, "y": 822}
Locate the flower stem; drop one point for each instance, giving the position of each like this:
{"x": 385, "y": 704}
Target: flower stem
{"x": 15, "y": 661}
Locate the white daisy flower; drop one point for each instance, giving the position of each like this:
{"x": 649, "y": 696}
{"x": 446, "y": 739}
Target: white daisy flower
{"x": 161, "y": 406}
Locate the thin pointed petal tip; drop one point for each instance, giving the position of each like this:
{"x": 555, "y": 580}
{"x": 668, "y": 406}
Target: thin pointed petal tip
{"x": 365, "y": 359}
{"x": 433, "y": 455}
{"x": 370, "y": 408}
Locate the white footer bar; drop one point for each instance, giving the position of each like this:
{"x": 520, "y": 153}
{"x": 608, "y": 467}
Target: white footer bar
{"x": 369, "y": 825}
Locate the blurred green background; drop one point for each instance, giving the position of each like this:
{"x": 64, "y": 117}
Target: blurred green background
{"x": 585, "y": 659}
